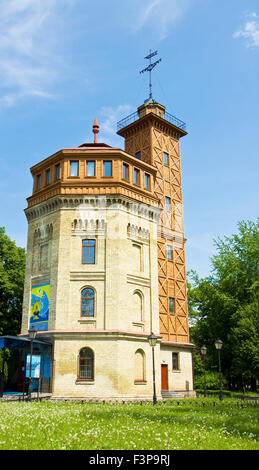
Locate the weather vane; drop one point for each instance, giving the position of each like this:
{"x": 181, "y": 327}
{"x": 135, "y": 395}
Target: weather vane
{"x": 149, "y": 69}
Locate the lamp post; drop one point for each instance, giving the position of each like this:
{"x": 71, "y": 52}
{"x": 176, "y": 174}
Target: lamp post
{"x": 32, "y": 334}
{"x": 152, "y": 341}
{"x": 204, "y": 352}
{"x": 218, "y": 345}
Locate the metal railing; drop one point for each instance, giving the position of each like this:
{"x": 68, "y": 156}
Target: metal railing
{"x": 127, "y": 120}
{"x": 135, "y": 116}
{"x": 175, "y": 121}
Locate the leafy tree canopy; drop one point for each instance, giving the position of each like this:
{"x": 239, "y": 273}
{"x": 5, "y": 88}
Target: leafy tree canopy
{"x": 12, "y": 268}
{"x": 225, "y": 305}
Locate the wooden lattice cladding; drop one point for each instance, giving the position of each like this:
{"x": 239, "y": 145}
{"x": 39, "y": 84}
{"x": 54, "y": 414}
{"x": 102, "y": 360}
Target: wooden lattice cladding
{"x": 152, "y": 135}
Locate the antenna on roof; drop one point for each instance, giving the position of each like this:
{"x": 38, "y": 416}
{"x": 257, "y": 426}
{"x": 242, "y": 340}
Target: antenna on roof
{"x": 149, "y": 69}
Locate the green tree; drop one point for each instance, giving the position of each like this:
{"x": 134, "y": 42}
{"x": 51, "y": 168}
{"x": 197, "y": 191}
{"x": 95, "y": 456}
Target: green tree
{"x": 225, "y": 305}
{"x": 12, "y": 268}
{"x": 245, "y": 342}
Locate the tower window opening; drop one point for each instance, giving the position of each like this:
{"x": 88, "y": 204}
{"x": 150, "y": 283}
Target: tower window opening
{"x": 136, "y": 176}
{"x": 74, "y": 167}
{"x": 48, "y": 176}
{"x": 125, "y": 171}
{"x": 166, "y": 158}
{"x": 169, "y": 249}
{"x": 58, "y": 171}
{"x": 171, "y": 305}
{"x": 107, "y": 168}
{"x": 90, "y": 168}
{"x": 147, "y": 181}
{"x": 38, "y": 181}
{"x": 168, "y": 203}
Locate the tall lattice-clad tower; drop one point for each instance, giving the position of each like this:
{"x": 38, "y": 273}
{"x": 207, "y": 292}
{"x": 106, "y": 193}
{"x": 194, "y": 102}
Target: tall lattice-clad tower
{"x": 153, "y": 135}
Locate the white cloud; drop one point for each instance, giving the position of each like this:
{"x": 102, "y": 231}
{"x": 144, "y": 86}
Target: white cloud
{"x": 27, "y": 37}
{"x": 109, "y": 116}
{"x": 32, "y": 38}
{"x": 250, "y": 32}
{"x": 159, "y": 14}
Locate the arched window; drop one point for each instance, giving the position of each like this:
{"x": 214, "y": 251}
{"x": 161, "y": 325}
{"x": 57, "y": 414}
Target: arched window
{"x": 139, "y": 366}
{"x": 138, "y": 306}
{"x": 87, "y": 302}
{"x": 86, "y": 364}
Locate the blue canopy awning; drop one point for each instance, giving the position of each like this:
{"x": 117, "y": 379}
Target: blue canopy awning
{"x": 19, "y": 342}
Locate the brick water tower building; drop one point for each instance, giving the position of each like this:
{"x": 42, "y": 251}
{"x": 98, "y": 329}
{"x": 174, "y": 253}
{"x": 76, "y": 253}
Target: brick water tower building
{"x": 106, "y": 264}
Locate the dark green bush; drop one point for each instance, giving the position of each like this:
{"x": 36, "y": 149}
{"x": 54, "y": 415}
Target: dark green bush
{"x": 212, "y": 381}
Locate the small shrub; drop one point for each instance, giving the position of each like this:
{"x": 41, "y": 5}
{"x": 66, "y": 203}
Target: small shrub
{"x": 212, "y": 381}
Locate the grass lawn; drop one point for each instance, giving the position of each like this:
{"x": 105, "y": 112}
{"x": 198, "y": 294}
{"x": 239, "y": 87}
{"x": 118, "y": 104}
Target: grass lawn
{"x": 183, "y": 424}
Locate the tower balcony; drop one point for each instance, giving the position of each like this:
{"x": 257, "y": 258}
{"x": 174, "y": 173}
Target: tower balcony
{"x": 154, "y": 108}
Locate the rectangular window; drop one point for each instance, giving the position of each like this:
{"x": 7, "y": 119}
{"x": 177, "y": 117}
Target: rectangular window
{"x": 107, "y": 168}
{"x": 47, "y": 176}
{"x": 90, "y": 168}
{"x": 38, "y": 181}
{"x": 168, "y": 203}
{"x": 136, "y": 176}
{"x": 171, "y": 305}
{"x": 57, "y": 171}
{"x": 125, "y": 172}
{"x": 169, "y": 249}
{"x": 138, "y": 155}
{"x": 74, "y": 166}
{"x": 147, "y": 181}
{"x": 88, "y": 247}
{"x": 175, "y": 359}
{"x": 166, "y": 158}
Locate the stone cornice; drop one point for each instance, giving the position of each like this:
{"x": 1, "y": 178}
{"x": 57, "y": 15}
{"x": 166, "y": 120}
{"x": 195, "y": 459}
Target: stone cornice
{"x": 93, "y": 201}
{"x": 77, "y": 188}
{"x": 110, "y": 334}
{"x": 95, "y": 333}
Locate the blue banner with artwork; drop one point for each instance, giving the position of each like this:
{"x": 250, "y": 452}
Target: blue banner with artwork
{"x": 39, "y": 315}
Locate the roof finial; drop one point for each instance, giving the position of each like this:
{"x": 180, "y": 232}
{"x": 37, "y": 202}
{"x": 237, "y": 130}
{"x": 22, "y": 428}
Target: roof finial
{"x": 95, "y": 130}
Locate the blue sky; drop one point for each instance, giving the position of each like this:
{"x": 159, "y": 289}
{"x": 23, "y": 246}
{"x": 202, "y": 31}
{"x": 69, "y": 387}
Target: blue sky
{"x": 65, "y": 62}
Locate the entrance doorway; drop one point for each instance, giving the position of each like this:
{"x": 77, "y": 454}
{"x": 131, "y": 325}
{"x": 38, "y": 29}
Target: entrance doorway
{"x": 164, "y": 376}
